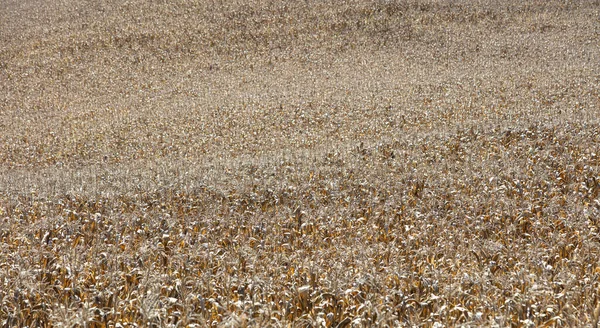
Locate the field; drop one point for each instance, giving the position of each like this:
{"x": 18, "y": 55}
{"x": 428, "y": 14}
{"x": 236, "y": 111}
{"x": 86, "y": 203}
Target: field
{"x": 359, "y": 163}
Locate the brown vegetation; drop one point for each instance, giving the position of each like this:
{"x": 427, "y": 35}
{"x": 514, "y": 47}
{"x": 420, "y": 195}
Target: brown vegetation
{"x": 305, "y": 163}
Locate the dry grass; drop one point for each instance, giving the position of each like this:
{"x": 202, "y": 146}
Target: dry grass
{"x": 303, "y": 163}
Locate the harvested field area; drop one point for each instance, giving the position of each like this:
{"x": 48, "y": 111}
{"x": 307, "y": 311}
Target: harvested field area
{"x": 308, "y": 163}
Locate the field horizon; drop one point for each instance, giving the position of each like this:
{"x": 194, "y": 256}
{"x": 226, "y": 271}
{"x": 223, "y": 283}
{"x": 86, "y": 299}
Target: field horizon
{"x": 309, "y": 164}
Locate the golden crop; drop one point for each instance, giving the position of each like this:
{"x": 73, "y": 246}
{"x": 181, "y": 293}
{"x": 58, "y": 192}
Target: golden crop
{"x": 299, "y": 163}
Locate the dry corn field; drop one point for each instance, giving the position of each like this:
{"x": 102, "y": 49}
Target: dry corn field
{"x": 316, "y": 163}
